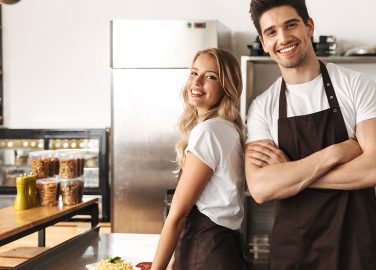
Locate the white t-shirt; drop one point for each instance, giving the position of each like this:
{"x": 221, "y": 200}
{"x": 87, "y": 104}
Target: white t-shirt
{"x": 217, "y": 143}
{"x": 356, "y": 95}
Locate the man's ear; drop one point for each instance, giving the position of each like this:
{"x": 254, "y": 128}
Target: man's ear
{"x": 311, "y": 27}
{"x": 262, "y": 43}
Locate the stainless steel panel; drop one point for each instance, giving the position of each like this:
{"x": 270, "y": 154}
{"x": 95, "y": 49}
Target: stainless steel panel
{"x": 163, "y": 43}
{"x": 146, "y": 106}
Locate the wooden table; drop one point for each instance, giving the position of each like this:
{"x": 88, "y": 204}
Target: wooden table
{"x": 17, "y": 224}
{"x": 91, "y": 247}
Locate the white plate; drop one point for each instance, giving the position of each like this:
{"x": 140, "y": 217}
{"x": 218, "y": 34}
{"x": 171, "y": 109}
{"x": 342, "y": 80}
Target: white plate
{"x": 92, "y": 266}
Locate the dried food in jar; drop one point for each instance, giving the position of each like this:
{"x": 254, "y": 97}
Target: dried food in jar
{"x": 40, "y": 168}
{"x": 47, "y": 190}
{"x": 70, "y": 190}
{"x": 68, "y": 168}
{"x": 53, "y": 166}
{"x": 81, "y": 162}
{"x": 78, "y": 172}
{"x": 80, "y": 190}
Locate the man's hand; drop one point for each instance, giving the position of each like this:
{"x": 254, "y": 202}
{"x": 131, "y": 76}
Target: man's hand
{"x": 264, "y": 152}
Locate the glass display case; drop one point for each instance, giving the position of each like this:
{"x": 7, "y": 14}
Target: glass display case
{"x": 17, "y": 144}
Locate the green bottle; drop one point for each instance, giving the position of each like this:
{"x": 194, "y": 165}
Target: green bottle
{"x": 22, "y": 197}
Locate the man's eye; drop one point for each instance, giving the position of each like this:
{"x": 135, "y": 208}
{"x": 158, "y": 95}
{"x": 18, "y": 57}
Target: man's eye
{"x": 270, "y": 33}
{"x": 291, "y": 25}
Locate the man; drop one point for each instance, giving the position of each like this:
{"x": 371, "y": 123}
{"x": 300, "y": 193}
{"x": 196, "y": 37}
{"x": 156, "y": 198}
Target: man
{"x": 312, "y": 147}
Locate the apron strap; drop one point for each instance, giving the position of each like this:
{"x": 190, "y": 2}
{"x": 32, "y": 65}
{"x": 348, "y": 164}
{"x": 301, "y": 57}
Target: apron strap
{"x": 329, "y": 91}
{"x": 282, "y": 101}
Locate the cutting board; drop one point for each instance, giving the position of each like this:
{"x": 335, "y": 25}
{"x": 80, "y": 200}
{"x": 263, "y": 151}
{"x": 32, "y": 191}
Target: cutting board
{"x": 22, "y": 252}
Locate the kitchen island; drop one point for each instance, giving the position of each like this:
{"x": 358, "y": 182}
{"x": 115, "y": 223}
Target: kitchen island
{"x": 91, "y": 247}
{"x": 16, "y": 224}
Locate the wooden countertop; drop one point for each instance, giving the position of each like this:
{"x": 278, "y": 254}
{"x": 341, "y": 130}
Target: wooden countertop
{"x": 13, "y": 222}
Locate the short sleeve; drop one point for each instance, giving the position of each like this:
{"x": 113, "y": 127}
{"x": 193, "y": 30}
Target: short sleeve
{"x": 365, "y": 98}
{"x": 257, "y": 125}
{"x": 204, "y": 143}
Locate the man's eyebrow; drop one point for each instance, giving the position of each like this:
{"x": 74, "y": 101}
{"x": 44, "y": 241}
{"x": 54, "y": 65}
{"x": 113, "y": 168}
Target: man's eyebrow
{"x": 286, "y": 22}
{"x": 291, "y": 20}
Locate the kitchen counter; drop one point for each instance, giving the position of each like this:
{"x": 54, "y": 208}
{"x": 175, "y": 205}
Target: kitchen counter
{"x": 92, "y": 247}
{"x": 18, "y": 224}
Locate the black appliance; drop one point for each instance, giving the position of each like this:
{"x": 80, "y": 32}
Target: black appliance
{"x": 326, "y": 46}
{"x": 256, "y": 48}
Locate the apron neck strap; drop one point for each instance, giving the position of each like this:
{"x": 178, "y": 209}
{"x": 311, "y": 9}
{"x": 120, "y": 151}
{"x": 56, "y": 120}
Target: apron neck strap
{"x": 329, "y": 90}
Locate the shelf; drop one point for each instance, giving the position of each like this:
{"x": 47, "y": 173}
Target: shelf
{"x": 331, "y": 59}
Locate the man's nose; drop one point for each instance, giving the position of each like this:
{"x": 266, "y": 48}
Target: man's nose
{"x": 284, "y": 37}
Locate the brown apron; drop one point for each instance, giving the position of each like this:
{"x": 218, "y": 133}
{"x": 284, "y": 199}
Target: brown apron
{"x": 205, "y": 245}
{"x": 321, "y": 228}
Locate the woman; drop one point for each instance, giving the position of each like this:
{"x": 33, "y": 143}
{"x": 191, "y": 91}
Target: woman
{"x": 207, "y": 207}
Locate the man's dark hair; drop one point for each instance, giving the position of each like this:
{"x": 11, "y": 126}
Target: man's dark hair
{"x": 258, "y": 7}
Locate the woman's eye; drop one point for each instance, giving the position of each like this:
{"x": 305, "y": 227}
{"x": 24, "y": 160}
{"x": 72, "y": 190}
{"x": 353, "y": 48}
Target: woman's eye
{"x": 193, "y": 73}
{"x": 211, "y": 77}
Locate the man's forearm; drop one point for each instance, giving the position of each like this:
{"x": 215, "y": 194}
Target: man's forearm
{"x": 282, "y": 180}
{"x": 356, "y": 174}
{"x": 359, "y": 172}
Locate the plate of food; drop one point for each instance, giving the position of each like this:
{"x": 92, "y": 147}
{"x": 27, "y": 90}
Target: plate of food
{"x": 117, "y": 263}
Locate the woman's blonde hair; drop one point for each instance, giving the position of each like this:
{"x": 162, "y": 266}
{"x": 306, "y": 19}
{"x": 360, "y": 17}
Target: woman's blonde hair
{"x": 227, "y": 108}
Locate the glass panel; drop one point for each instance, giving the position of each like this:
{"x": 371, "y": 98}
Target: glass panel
{"x": 91, "y": 147}
{"x": 14, "y": 158}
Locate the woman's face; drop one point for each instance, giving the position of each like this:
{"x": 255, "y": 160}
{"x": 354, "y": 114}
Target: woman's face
{"x": 204, "y": 88}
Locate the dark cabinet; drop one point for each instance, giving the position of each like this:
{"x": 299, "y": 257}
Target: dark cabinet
{"x": 16, "y": 145}
{"x": 1, "y": 71}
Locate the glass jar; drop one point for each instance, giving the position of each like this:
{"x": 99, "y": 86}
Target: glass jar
{"x": 71, "y": 191}
{"x": 47, "y": 190}
{"x": 68, "y": 165}
{"x": 40, "y": 164}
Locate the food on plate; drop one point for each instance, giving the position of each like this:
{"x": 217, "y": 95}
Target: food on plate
{"x": 144, "y": 265}
{"x": 114, "y": 263}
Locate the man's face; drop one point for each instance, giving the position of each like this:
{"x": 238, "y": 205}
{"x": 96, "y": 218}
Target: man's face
{"x": 285, "y": 36}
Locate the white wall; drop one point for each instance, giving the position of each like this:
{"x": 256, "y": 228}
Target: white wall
{"x": 56, "y": 53}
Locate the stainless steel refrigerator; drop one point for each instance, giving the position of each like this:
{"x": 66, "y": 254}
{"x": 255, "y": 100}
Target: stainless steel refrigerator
{"x": 150, "y": 64}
